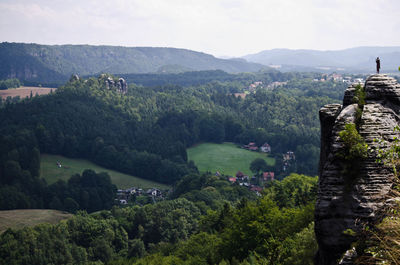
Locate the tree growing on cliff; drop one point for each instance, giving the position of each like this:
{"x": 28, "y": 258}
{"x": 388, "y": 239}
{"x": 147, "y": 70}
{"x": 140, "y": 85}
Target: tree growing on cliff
{"x": 354, "y": 145}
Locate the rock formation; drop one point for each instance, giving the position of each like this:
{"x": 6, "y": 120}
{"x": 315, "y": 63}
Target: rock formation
{"x": 351, "y": 202}
{"x": 120, "y": 85}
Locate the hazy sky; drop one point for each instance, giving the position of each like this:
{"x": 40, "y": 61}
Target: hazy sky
{"x": 219, "y": 27}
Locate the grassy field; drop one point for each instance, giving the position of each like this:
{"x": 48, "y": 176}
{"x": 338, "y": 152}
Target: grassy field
{"x": 25, "y": 91}
{"x": 51, "y": 172}
{"x": 22, "y": 218}
{"x": 227, "y": 158}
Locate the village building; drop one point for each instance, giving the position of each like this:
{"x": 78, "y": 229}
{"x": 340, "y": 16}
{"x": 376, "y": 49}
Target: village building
{"x": 266, "y": 148}
{"x": 239, "y": 175}
{"x": 153, "y": 192}
{"x": 289, "y": 156}
{"x": 256, "y": 189}
{"x": 240, "y": 95}
{"x": 268, "y": 176}
{"x": 232, "y": 179}
{"x": 124, "y": 195}
{"x": 251, "y": 146}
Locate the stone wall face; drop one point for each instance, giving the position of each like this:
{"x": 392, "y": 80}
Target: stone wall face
{"x": 350, "y": 202}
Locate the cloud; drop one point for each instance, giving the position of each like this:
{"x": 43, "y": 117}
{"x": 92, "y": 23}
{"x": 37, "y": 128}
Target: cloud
{"x": 224, "y": 27}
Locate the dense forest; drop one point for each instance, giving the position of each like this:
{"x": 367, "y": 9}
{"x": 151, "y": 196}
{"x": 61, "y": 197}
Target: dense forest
{"x": 277, "y": 228}
{"x": 146, "y": 131}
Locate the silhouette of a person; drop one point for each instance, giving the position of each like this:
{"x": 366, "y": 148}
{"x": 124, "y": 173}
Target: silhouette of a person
{"x": 378, "y": 65}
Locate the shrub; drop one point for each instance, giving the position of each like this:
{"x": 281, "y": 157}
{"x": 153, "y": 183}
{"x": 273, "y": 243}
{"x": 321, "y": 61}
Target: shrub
{"x": 354, "y": 145}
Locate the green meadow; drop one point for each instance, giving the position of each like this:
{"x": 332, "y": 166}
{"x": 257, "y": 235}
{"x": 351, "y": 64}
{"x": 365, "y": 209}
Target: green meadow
{"x": 227, "y": 158}
{"x": 51, "y": 172}
{"x": 29, "y": 217}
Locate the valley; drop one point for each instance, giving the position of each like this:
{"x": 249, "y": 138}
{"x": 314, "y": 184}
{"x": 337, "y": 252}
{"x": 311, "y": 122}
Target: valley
{"x": 214, "y": 166}
{"x": 199, "y": 132}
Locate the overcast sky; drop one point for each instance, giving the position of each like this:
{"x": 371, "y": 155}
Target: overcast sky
{"x": 219, "y": 27}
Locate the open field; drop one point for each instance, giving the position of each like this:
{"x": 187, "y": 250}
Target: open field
{"x": 25, "y": 91}
{"x": 51, "y": 172}
{"x": 227, "y": 158}
{"x": 29, "y": 217}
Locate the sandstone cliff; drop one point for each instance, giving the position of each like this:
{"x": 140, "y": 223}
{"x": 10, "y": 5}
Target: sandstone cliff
{"x": 352, "y": 200}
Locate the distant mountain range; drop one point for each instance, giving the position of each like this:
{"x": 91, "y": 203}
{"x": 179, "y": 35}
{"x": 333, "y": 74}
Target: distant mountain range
{"x": 355, "y": 60}
{"x": 55, "y": 63}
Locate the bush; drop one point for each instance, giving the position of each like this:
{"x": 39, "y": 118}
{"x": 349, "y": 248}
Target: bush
{"x": 354, "y": 145}
{"x": 9, "y": 83}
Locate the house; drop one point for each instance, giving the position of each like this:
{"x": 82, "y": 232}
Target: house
{"x": 153, "y": 192}
{"x": 276, "y": 84}
{"x": 254, "y": 85}
{"x": 251, "y": 146}
{"x": 268, "y": 176}
{"x": 289, "y": 156}
{"x": 337, "y": 77}
{"x": 232, "y": 179}
{"x": 240, "y": 95}
{"x": 256, "y": 189}
{"x": 266, "y": 148}
{"x": 239, "y": 175}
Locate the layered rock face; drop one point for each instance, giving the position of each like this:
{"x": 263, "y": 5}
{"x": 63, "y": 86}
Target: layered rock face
{"x": 350, "y": 202}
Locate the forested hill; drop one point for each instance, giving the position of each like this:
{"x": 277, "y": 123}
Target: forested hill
{"x": 145, "y": 132}
{"x": 54, "y": 64}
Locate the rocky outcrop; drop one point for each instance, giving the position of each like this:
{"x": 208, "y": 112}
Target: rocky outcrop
{"x": 351, "y": 201}
{"x": 119, "y": 85}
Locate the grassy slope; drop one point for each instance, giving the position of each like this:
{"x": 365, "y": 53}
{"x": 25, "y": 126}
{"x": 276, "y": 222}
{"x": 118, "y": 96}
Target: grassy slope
{"x": 52, "y": 173}
{"x": 22, "y": 218}
{"x": 25, "y": 91}
{"x": 227, "y": 158}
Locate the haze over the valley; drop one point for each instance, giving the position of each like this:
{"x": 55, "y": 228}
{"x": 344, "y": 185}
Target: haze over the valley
{"x": 222, "y": 28}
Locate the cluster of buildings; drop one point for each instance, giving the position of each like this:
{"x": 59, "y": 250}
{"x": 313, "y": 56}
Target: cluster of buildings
{"x": 276, "y": 84}
{"x": 123, "y": 196}
{"x": 288, "y": 159}
{"x": 252, "y": 87}
{"x": 252, "y": 183}
{"x": 339, "y": 78}
{"x": 265, "y": 148}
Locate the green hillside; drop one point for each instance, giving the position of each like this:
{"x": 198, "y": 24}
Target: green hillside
{"x": 29, "y": 217}
{"x": 227, "y": 158}
{"x": 51, "y": 172}
{"x": 55, "y": 63}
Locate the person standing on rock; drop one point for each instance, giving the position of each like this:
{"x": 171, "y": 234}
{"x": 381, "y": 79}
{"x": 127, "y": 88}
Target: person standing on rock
{"x": 378, "y": 65}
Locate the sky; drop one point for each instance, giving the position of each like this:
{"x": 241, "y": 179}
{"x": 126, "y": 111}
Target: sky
{"x": 220, "y": 27}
